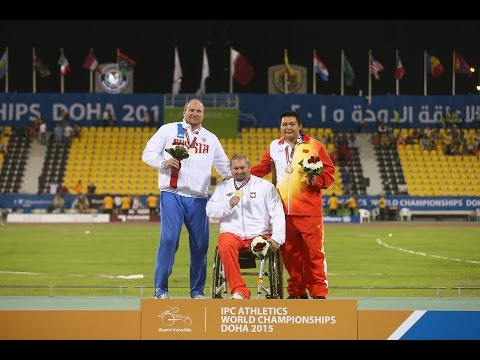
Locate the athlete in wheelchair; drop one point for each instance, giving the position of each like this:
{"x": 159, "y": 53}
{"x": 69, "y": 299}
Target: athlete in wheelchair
{"x": 249, "y": 209}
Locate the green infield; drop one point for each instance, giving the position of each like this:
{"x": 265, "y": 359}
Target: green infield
{"x": 364, "y": 260}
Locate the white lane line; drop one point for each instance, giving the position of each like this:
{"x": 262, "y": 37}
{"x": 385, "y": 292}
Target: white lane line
{"x": 425, "y": 254}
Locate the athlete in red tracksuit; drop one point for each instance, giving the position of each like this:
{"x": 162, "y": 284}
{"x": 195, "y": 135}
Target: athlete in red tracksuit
{"x": 303, "y": 252}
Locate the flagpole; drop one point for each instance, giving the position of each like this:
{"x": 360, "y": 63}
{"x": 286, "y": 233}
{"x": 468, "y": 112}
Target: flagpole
{"x": 62, "y": 84}
{"x": 342, "y": 71}
{"x": 397, "y": 82}
{"x": 6, "y": 75}
{"x": 91, "y": 76}
{"x": 453, "y": 73}
{"x": 369, "y": 77}
{"x": 313, "y": 73}
{"x": 231, "y": 70}
{"x": 34, "y": 80}
{"x": 425, "y": 73}
{"x": 285, "y": 74}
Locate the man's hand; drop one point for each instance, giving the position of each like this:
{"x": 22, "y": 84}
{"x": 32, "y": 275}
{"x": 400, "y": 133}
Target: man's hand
{"x": 275, "y": 245}
{"x": 234, "y": 200}
{"x": 171, "y": 163}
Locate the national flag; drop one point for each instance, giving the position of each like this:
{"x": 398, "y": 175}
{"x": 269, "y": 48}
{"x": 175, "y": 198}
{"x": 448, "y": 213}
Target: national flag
{"x": 320, "y": 67}
{"x": 461, "y": 66}
{"x": 434, "y": 66}
{"x": 64, "y": 65}
{"x": 288, "y": 68}
{"x": 399, "y": 70}
{"x": 4, "y": 64}
{"x": 177, "y": 74}
{"x": 348, "y": 72}
{"x": 91, "y": 63}
{"x": 205, "y": 74}
{"x": 242, "y": 71}
{"x": 375, "y": 68}
{"x": 125, "y": 64}
{"x": 40, "y": 67}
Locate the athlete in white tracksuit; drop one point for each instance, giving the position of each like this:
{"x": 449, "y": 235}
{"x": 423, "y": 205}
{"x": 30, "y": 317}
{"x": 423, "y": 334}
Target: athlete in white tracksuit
{"x": 246, "y": 206}
{"x": 184, "y": 185}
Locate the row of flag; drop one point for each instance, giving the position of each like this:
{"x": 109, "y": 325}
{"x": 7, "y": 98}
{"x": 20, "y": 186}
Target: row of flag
{"x": 125, "y": 64}
{"x": 433, "y": 67}
{"x": 241, "y": 70}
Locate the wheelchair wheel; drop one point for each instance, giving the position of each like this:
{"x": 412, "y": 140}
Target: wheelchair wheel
{"x": 218, "y": 278}
{"x": 276, "y": 275}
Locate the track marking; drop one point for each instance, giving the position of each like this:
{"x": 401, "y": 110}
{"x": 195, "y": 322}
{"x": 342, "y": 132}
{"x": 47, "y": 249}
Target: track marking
{"x": 425, "y": 254}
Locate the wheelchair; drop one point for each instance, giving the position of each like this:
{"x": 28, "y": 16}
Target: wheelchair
{"x": 269, "y": 272}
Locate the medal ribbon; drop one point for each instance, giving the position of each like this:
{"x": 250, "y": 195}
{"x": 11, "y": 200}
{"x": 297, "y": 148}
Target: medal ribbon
{"x": 289, "y": 156}
{"x": 241, "y": 186}
{"x": 194, "y": 141}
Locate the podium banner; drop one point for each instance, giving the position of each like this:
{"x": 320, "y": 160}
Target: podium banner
{"x": 214, "y": 319}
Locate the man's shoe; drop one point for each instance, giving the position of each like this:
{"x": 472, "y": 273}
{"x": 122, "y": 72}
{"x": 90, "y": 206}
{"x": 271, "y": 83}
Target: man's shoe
{"x": 304, "y": 296}
{"x": 319, "y": 297}
{"x": 162, "y": 296}
{"x": 238, "y": 296}
{"x": 198, "y": 297}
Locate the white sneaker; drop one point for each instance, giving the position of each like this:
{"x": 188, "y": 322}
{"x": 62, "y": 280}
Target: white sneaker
{"x": 198, "y": 297}
{"x": 238, "y": 296}
{"x": 162, "y": 296}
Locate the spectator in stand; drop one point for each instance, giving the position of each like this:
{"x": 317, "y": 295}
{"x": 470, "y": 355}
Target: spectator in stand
{"x": 81, "y": 204}
{"x": 77, "y": 131}
{"x": 333, "y": 204}
{"x": 43, "y": 133}
{"x": 64, "y": 118}
{"x": 346, "y": 180}
{"x": 58, "y": 204}
{"x": 78, "y": 188}
{"x": 118, "y": 203}
{"x": 58, "y": 133}
{"x": 107, "y": 118}
{"x": 36, "y": 125}
{"x": 126, "y": 204}
{"x": 108, "y": 204}
{"x": 3, "y": 148}
{"x": 67, "y": 134}
{"x": 352, "y": 204}
{"x": 382, "y": 205}
{"x": 63, "y": 190}
{"x": 53, "y": 187}
{"x": 147, "y": 120}
{"x": 91, "y": 188}
{"x": 136, "y": 204}
{"x": 152, "y": 203}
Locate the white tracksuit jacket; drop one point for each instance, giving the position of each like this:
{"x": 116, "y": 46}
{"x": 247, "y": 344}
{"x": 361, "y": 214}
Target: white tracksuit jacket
{"x": 259, "y": 207}
{"x": 195, "y": 173}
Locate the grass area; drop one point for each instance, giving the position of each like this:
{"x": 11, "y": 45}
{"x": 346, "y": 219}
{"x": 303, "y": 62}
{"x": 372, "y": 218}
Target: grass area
{"x": 358, "y": 255}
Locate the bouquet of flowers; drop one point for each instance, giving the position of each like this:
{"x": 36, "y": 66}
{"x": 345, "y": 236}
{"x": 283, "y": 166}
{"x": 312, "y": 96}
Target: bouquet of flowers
{"x": 260, "y": 246}
{"x": 312, "y": 165}
{"x": 178, "y": 152}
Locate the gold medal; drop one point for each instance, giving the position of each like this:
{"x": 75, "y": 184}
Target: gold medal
{"x": 191, "y": 151}
{"x": 289, "y": 169}
{"x": 239, "y": 193}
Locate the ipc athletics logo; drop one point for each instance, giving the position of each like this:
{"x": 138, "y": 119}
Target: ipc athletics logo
{"x": 112, "y": 80}
{"x": 171, "y": 316}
